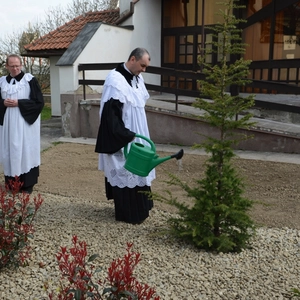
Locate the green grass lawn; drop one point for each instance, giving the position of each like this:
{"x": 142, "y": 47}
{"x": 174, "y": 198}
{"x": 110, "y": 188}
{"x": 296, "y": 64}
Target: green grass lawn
{"x": 46, "y": 112}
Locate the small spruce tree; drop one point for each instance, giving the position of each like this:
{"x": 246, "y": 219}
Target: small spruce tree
{"x": 218, "y": 220}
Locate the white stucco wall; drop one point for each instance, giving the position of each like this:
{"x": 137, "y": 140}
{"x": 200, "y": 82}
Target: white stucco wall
{"x": 68, "y": 75}
{"x": 113, "y": 44}
{"x": 124, "y": 5}
{"x": 109, "y": 44}
{"x": 147, "y": 31}
{"x": 55, "y": 87}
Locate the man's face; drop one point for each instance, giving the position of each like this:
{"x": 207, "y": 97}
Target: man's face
{"x": 139, "y": 66}
{"x": 14, "y": 66}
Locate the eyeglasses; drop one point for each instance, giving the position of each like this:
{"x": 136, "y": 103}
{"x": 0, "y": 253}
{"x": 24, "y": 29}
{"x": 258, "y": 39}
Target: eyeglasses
{"x": 14, "y": 67}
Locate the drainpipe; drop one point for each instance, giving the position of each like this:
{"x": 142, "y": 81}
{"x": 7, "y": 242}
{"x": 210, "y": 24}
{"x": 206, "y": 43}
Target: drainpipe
{"x": 202, "y": 32}
{"x": 84, "y": 92}
{"x": 272, "y": 35}
{"x": 176, "y": 95}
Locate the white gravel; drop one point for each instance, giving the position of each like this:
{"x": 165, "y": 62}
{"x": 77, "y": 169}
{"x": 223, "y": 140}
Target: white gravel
{"x": 177, "y": 271}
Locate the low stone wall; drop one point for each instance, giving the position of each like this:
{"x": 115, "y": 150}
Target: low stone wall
{"x": 167, "y": 126}
{"x": 80, "y": 118}
{"x": 89, "y": 118}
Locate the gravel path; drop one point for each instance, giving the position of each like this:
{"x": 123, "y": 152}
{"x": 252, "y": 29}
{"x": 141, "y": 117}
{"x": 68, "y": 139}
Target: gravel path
{"x": 74, "y": 204}
{"x": 178, "y": 271}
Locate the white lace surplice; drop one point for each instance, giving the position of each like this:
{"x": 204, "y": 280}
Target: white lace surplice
{"x": 134, "y": 99}
{"x": 19, "y": 141}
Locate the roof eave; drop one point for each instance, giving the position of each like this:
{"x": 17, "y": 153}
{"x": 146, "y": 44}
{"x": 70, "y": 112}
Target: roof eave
{"x": 44, "y": 53}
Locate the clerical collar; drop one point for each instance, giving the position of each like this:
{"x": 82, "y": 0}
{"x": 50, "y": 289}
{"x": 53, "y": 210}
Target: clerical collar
{"x": 124, "y": 65}
{"x": 18, "y": 77}
{"x": 121, "y": 68}
{"x": 136, "y": 76}
{"x": 128, "y": 75}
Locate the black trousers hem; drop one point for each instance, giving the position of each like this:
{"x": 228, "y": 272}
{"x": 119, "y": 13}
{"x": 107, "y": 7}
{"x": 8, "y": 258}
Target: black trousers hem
{"x": 132, "y": 205}
{"x": 28, "y": 179}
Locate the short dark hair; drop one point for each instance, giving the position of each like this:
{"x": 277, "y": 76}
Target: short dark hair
{"x": 138, "y": 53}
{"x": 15, "y": 56}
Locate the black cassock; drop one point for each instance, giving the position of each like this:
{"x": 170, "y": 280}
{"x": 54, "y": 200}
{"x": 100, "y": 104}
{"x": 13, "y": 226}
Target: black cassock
{"x": 30, "y": 109}
{"x": 132, "y": 205}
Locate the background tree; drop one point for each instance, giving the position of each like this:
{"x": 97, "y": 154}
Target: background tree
{"x": 218, "y": 220}
{"x": 54, "y": 18}
{"x": 58, "y": 16}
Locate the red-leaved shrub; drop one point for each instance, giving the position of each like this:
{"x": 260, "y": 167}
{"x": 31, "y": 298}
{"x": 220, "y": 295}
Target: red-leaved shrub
{"x": 16, "y": 224}
{"x": 77, "y": 276}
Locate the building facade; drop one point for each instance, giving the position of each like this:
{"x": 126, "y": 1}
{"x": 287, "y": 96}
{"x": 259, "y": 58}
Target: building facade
{"x": 271, "y": 33}
{"x": 174, "y": 32}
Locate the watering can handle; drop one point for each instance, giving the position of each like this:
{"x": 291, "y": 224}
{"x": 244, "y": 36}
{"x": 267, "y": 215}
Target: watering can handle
{"x": 148, "y": 140}
{"x": 144, "y": 138}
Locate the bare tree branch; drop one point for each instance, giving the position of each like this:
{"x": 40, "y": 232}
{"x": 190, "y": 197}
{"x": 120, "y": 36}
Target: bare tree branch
{"x": 54, "y": 18}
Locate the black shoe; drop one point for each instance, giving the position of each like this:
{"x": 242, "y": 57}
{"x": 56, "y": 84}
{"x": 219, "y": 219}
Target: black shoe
{"x": 27, "y": 190}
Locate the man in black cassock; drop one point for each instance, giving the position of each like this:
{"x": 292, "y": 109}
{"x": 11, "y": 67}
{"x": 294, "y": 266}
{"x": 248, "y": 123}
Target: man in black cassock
{"x": 21, "y": 102}
{"x": 122, "y": 115}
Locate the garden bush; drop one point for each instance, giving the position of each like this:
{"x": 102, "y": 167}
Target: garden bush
{"x": 218, "y": 219}
{"x": 78, "y": 276}
{"x": 17, "y": 213}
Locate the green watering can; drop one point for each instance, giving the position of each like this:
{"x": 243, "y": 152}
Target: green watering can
{"x": 141, "y": 159}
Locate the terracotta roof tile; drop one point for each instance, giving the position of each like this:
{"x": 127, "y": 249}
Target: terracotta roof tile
{"x": 63, "y": 36}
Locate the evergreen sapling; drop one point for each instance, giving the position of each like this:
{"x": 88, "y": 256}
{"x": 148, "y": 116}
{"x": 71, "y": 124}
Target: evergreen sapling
{"x": 218, "y": 219}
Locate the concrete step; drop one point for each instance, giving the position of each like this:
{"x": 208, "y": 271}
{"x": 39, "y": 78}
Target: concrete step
{"x": 52, "y": 122}
{"x": 50, "y": 130}
{"x": 269, "y": 123}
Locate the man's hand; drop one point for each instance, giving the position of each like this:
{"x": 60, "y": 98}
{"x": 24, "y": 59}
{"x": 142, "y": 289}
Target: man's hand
{"x": 10, "y": 102}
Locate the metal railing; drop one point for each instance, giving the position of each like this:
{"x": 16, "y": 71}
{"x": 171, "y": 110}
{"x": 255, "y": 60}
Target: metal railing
{"x": 275, "y": 76}
{"x": 266, "y": 76}
{"x": 175, "y": 75}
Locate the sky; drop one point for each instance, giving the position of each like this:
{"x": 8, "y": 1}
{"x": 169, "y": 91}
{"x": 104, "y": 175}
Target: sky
{"x": 15, "y": 15}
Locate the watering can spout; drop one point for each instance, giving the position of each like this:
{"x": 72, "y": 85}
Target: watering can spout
{"x": 141, "y": 159}
{"x": 158, "y": 160}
